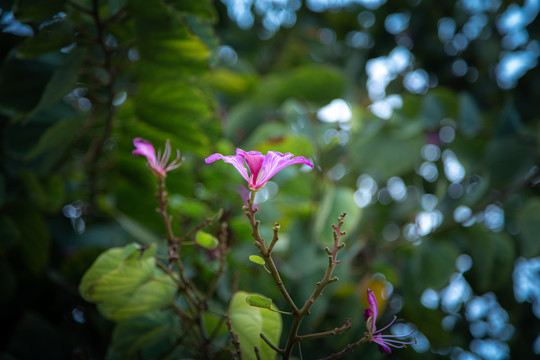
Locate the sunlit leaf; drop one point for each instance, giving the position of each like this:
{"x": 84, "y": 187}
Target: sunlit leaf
{"x": 248, "y": 322}
{"x": 259, "y": 301}
{"x": 336, "y": 201}
{"x": 125, "y": 283}
{"x": 206, "y": 240}
{"x": 256, "y": 259}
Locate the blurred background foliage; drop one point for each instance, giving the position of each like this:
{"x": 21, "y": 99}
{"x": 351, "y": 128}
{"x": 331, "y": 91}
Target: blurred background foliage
{"x": 421, "y": 119}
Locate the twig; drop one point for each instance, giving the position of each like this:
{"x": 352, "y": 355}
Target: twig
{"x": 334, "y": 332}
{"x": 234, "y": 338}
{"x": 349, "y": 348}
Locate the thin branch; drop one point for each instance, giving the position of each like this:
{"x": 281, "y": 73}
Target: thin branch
{"x": 259, "y": 242}
{"x": 334, "y": 332}
{"x": 349, "y": 348}
{"x": 269, "y": 343}
{"x": 234, "y": 339}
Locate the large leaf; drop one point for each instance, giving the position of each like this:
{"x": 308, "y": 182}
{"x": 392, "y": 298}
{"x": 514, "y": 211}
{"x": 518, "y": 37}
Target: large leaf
{"x": 509, "y": 159}
{"x": 249, "y": 322}
{"x": 148, "y": 335}
{"x": 336, "y": 201}
{"x": 387, "y": 154}
{"x": 125, "y": 283}
{"x": 63, "y": 80}
{"x": 493, "y": 255}
{"x": 314, "y": 83}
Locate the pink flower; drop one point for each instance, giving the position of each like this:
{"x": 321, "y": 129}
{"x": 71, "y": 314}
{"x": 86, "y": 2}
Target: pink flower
{"x": 374, "y": 335}
{"x": 158, "y": 164}
{"x": 261, "y": 167}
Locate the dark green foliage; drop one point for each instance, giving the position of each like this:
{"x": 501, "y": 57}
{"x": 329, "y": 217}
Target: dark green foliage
{"x": 97, "y": 73}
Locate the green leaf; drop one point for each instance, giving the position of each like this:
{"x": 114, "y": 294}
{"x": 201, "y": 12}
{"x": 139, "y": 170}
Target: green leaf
{"x": 144, "y": 336}
{"x": 55, "y": 140}
{"x": 336, "y": 201}
{"x": 206, "y": 240}
{"x": 63, "y": 80}
{"x": 314, "y": 83}
{"x": 248, "y": 322}
{"x": 259, "y": 301}
{"x": 493, "y": 255}
{"x": 509, "y": 159}
{"x": 256, "y": 259}
{"x": 125, "y": 283}
{"x": 529, "y": 223}
{"x": 49, "y": 38}
{"x": 432, "y": 264}
{"x": 387, "y": 154}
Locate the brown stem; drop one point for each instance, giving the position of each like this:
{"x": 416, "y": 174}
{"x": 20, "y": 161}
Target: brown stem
{"x": 234, "y": 339}
{"x": 349, "y": 348}
{"x": 259, "y": 242}
{"x": 320, "y": 286}
{"x": 334, "y": 332}
{"x": 299, "y": 314}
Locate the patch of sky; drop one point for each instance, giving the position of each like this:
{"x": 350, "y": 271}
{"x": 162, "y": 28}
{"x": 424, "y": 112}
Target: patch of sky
{"x": 10, "y": 25}
{"x": 459, "y": 67}
{"x": 397, "y": 189}
{"x": 454, "y": 171}
{"x": 513, "y": 65}
{"x": 462, "y": 213}
{"x": 526, "y": 277}
{"x": 490, "y": 349}
{"x": 429, "y": 202}
{"x": 397, "y": 22}
{"x": 385, "y": 107}
{"x": 427, "y": 221}
{"x": 417, "y": 81}
{"x": 430, "y": 299}
{"x": 74, "y": 212}
{"x": 463, "y": 263}
{"x": 227, "y": 55}
{"x": 359, "y": 40}
{"x": 494, "y": 217}
{"x": 422, "y": 343}
{"x": 338, "y": 110}
{"x": 522, "y": 54}
{"x": 460, "y": 354}
{"x": 366, "y": 19}
{"x": 367, "y": 188}
{"x": 455, "y": 294}
{"x": 428, "y": 171}
{"x": 430, "y": 152}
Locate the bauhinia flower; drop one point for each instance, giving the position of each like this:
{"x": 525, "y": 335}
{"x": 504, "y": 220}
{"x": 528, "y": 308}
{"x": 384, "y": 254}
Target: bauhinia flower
{"x": 374, "y": 335}
{"x": 257, "y": 168}
{"x": 158, "y": 164}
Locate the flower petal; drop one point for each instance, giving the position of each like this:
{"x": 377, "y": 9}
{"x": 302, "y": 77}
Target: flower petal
{"x": 254, "y": 161}
{"x": 372, "y": 300}
{"x": 235, "y": 160}
{"x": 275, "y": 162}
{"x": 146, "y": 149}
